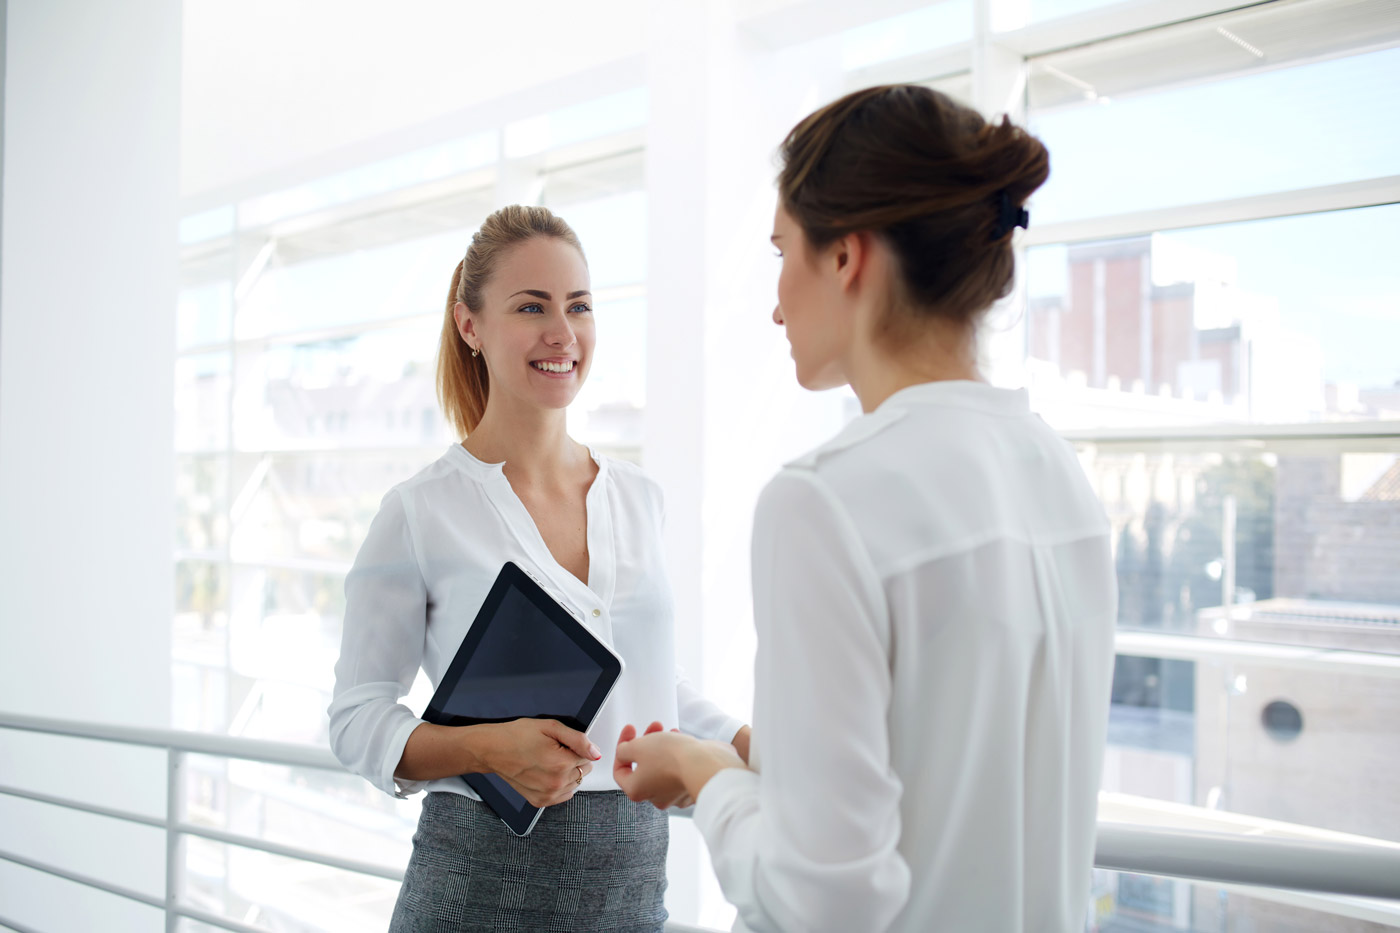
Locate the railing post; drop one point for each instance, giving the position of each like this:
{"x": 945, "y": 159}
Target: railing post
{"x": 174, "y": 861}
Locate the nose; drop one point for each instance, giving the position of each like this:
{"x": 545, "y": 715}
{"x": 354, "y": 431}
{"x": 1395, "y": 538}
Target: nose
{"x": 560, "y": 333}
{"x": 777, "y": 314}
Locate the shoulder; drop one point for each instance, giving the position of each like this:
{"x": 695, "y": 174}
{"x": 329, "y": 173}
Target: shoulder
{"x": 440, "y": 479}
{"x": 632, "y": 482}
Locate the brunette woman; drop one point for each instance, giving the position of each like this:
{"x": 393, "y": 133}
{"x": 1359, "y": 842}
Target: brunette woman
{"x": 933, "y": 588}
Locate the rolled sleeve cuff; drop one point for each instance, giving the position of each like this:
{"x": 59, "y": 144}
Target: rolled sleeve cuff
{"x": 728, "y": 729}
{"x": 387, "y": 782}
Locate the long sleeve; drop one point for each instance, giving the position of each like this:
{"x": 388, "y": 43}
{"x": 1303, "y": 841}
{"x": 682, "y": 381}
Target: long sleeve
{"x": 380, "y": 652}
{"x": 810, "y": 842}
{"x": 700, "y": 717}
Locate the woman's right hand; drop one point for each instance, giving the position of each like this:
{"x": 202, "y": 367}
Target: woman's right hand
{"x": 543, "y": 759}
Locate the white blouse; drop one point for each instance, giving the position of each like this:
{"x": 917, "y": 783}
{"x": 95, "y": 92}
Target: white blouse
{"x": 934, "y": 600}
{"x": 427, "y": 562}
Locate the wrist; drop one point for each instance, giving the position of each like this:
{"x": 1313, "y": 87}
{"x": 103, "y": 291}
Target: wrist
{"x": 478, "y": 746}
{"x": 703, "y": 761}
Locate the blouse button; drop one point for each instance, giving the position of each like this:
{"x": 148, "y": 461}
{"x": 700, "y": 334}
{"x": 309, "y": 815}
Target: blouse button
{"x": 597, "y": 613}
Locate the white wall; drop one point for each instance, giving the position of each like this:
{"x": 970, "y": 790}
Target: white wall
{"x": 87, "y": 296}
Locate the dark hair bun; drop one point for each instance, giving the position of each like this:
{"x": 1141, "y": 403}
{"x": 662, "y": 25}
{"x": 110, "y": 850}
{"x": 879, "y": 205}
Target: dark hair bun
{"x": 928, "y": 174}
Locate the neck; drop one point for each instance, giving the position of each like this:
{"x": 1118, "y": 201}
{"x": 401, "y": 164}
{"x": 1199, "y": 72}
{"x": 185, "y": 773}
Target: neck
{"x": 532, "y": 442}
{"x": 941, "y": 352}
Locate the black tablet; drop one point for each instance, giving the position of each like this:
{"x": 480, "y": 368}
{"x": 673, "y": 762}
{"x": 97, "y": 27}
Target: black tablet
{"x": 525, "y": 656}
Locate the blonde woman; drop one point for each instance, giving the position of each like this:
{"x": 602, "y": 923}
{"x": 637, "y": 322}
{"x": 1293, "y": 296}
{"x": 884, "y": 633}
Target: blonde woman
{"x": 933, "y": 587}
{"x": 517, "y": 343}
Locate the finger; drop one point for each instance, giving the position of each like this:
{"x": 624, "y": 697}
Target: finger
{"x": 629, "y": 732}
{"x": 572, "y": 739}
{"x": 654, "y": 727}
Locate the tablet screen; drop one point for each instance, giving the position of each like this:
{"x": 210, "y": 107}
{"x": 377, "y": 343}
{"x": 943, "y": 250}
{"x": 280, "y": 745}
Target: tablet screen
{"x": 524, "y": 665}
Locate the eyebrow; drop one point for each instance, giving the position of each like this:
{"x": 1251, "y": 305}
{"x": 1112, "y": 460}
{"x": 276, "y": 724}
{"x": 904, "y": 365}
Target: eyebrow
{"x": 547, "y": 296}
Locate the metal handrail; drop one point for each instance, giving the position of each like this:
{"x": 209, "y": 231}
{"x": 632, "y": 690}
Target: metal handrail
{"x": 1333, "y": 867}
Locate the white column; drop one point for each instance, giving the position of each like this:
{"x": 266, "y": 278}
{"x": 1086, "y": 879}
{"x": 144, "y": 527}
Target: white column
{"x": 723, "y": 409}
{"x": 88, "y": 283}
{"x": 91, "y": 204}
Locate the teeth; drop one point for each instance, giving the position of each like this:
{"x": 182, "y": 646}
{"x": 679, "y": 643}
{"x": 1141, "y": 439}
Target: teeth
{"x": 554, "y": 367}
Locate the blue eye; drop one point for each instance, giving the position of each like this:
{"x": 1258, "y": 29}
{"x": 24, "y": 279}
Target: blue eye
{"x": 532, "y": 309}
{"x": 581, "y": 308}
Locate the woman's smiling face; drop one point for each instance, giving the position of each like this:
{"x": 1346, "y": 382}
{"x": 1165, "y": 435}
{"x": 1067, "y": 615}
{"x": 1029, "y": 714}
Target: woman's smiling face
{"x": 536, "y": 327}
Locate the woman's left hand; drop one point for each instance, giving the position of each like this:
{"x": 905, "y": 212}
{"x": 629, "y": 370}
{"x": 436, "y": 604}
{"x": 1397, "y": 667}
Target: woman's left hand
{"x": 668, "y": 768}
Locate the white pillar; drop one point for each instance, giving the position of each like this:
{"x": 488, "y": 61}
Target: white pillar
{"x": 723, "y": 409}
{"x": 91, "y": 204}
{"x": 88, "y": 282}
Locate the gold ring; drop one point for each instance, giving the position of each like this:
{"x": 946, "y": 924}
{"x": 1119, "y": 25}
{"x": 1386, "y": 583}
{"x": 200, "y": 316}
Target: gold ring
{"x": 580, "y": 774}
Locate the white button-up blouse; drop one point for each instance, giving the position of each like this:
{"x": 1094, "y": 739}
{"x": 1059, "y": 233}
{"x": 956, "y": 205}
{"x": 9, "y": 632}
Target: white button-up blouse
{"x": 935, "y": 598}
{"x": 427, "y": 562}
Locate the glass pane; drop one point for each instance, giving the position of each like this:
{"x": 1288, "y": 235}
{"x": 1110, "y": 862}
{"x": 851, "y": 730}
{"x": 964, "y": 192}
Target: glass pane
{"x": 1285, "y": 320}
{"x": 314, "y": 508}
{"x": 1251, "y": 730}
{"x": 606, "y": 115}
{"x": 1041, "y": 10}
{"x": 934, "y": 26}
{"x": 613, "y": 231}
{"x": 199, "y": 647}
{"x": 274, "y": 893}
{"x": 201, "y": 503}
{"x": 957, "y": 86}
{"x": 404, "y": 279}
{"x": 206, "y": 225}
{"x": 428, "y": 164}
{"x": 615, "y": 392}
{"x": 199, "y": 691}
{"x": 201, "y": 402}
{"x": 330, "y": 812}
{"x": 204, "y": 314}
{"x": 374, "y": 389}
{"x": 1314, "y": 124}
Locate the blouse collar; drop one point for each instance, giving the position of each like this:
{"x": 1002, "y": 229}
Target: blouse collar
{"x": 950, "y": 393}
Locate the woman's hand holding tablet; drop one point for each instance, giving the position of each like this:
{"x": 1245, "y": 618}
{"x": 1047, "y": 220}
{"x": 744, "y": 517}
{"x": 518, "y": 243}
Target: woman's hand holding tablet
{"x": 542, "y": 759}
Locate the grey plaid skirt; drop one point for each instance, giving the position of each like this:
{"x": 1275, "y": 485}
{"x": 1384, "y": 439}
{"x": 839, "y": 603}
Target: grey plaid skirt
{"x": 592, "y": 864}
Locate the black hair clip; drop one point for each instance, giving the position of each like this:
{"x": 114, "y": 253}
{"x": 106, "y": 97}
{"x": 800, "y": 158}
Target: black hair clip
{"x": 1009, "y": 216}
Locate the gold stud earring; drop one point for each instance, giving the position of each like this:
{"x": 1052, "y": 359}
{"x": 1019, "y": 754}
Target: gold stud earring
{"x": 476, "y": 351}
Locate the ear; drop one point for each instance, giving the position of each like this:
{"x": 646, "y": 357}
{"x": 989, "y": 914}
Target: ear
{"x": 850, "y": 257}
{"x": 466, "y": 326}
